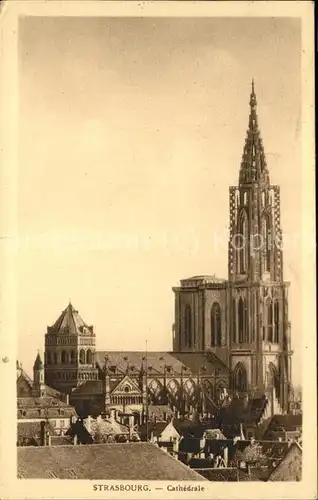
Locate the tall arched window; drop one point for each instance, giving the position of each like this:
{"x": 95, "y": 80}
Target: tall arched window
{"x": 240, "y": 378}
{"x": 55, "y": 361}
{"x": 269, "y": 308}
{"x": 188, "y": 327}
{"x": 73, "y": 357}
{"x": 276, "y": 321}
{"x": 89, "y": 357}
{"x": 216, "y": 325}
{"x": 48, "y": 358}
{"x": 82, "y": 357}
{"x": 242, "y": 242}
{"x": 234, "y": 334}
{"x": 242, "y": 320}
{"x": 63, "y": 357}
{"x": 266, "y": 243}
{"x": 273, "y": 380}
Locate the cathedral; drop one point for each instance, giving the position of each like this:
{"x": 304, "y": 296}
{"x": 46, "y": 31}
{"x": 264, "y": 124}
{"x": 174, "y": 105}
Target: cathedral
{"x": 231, "y": 336}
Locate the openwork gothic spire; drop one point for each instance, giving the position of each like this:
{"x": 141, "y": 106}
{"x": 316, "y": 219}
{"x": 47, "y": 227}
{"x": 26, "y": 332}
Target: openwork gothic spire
{"x": 253, "y": 165}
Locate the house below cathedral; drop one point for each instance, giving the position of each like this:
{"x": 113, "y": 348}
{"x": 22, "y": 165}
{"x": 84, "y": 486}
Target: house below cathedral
{"x": 231, "y": 336}
{"x": 42, "y": 412}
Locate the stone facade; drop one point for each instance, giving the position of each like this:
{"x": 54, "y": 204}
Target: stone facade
{"x": 229, "y": 334}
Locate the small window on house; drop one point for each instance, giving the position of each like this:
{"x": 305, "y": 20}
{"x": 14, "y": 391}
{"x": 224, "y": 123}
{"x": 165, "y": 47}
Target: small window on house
{"x": 62, "y": 424}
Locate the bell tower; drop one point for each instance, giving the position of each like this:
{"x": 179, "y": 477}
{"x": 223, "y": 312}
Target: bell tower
{"x": 69, "y": 351}
{"x": 260, "y": 331}
{"x": 255, "y": 233}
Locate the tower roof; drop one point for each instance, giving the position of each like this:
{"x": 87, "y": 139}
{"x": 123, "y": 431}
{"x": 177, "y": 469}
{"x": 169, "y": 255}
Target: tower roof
{"x": 70, "y": 322}
{"x": 38, "y": 363}
{"x": 253, "y": 164}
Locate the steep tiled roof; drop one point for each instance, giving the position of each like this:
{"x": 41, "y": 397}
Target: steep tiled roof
{"x": 290, "y": 467}
{"x": 23, "y": 378}
{"x": 159, "y": 411}
{"x": 156, "y": 362}
{"x": 128, "y": 461}
{"x": 70, "y": 322}
{"x": 240, "y": 411}
{"x": 153, "y": 428}
{"x": 233, "y": 474}
{"x": 104, "y": 427}
{"x": 32, "y": 429}
{"x": 89, "y": 387}
{"x": 48, "y": 407}
{"x": 61, "y": 440}
{"x": 45, "y": 402}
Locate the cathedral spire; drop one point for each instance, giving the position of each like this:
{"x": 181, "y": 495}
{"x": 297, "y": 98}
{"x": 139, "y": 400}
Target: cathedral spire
{"x": 253, "y": 165}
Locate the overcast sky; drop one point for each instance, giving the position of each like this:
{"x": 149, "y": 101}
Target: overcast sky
{"x": 131, "y": 132}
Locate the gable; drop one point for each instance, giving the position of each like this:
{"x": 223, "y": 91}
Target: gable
{"x": 290, "y": 467}
{"x": 169, "y": 431}
{"x": 127, "y": 386}
{"x": 24, "y": 387}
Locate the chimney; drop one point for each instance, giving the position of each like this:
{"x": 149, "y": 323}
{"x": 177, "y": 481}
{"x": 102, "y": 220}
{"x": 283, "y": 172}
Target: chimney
{"x": 112, "y": 415}
{"x": 226, "y": 456}
{"x": 131, "y": 425}
{"x": 43, "y": 433}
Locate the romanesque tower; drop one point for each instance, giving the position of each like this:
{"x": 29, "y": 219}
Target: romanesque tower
{"x": 69, "y": 351}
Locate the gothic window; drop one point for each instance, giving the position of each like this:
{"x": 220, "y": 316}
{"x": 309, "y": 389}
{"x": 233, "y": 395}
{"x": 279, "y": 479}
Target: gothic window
{"x": 73, "y": 357}
{"x": 89, "y": 357}
{"x": 55, "y": 358}
{"x": 215, "y": 325}
{"x": 188, "y": 326}
{"x": 276, "y": 321}
{"x": 63, "y": 357}
{"x": 155, "y": 388}
{"x": 242, "y": 242}
{"x": 82, "y": 357}
{"x": 273, "y": 382}
{"x": 266, "y": 243}
{"x": 263, "y": 199}
{"x": 242, "y": 320}
{"x": 48, "y": 357}
{"x": 240, "y": 378}
{"x": 234, "y": 338}
{"x": 189, "y": 387}
{"x": 173, "y": 388}
{"x": 269, "y": 310}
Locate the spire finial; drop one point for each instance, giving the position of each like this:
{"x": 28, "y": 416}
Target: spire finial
{"x": 253, "y": 95}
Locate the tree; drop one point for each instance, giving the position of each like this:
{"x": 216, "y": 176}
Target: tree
{"x": 252, "y": 456}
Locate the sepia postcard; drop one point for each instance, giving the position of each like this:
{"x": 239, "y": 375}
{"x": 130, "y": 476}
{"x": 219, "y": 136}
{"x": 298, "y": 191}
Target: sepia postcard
{"x": 157, "y": 220}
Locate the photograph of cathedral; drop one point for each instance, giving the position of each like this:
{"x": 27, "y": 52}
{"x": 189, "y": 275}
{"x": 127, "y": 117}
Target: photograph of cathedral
{"x": 231, "y": 336}
{"x": 146, "y": 174}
